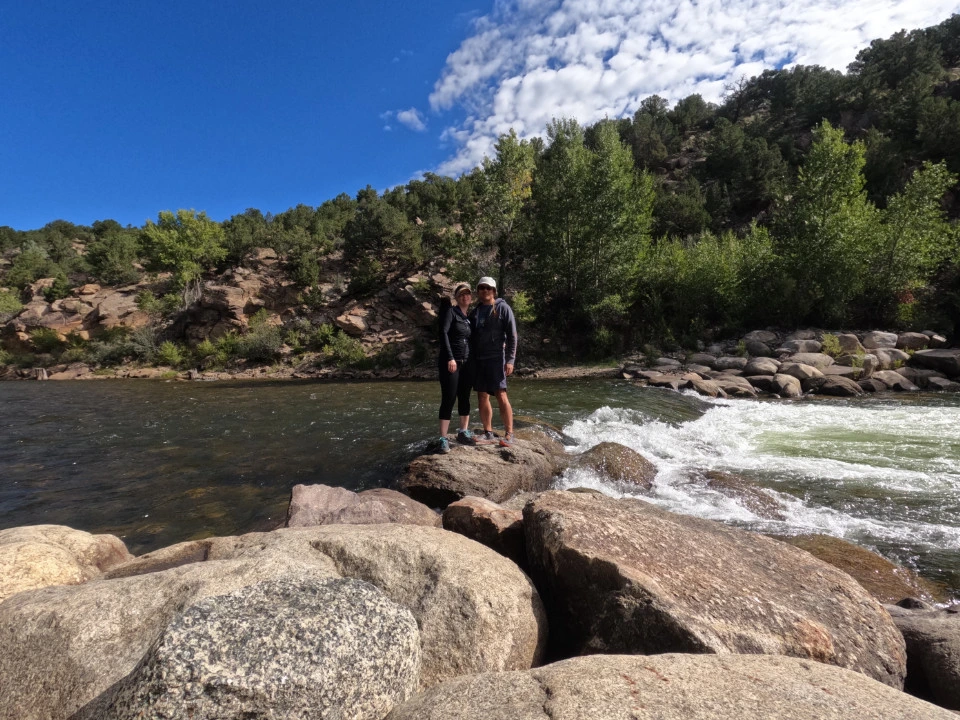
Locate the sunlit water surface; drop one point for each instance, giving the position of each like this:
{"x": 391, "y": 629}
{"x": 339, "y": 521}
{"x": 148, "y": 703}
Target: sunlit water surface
{"x": 160, "y": 462}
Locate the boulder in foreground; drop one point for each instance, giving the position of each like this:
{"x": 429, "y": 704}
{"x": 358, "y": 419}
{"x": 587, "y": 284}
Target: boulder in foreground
{"x": 36, "y": 556}
{"x": 292, "y": 649}
{"x": 670, "y": 687}
{"x": 623, "y": 576}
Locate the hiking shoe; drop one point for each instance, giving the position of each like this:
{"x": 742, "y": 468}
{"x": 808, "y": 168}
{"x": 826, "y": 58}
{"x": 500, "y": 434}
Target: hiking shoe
{"x": 466, "y": 437}
{"x": 506, "y": 440}
{"x": 489, "y": 436}
{"x": 443, "y": 446}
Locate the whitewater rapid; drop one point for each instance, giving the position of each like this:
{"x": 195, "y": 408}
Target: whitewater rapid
{"x": 882, "y": 473}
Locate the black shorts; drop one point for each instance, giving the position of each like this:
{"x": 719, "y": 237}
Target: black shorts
{"x": 489, "y": 376}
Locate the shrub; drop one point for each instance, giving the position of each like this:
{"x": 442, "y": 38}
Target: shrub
{"x": 262, "y": 343}
{"x": 831, "y": 345}
{"x": 10, "y": 303}
{"x": 422, "y": 286}
{"x": 46, "y": 340}
{"x": 321, "y": 336}
{"x": 522, "y": 307}
{"x": 59, "y": 290}
{"x": 343, "y": 350}
{"x": 169, "y": 353}
{"x": 742, "y": 349}
{"x": 205, "y": 349}
{"x": 5, "y": 357}
{"x": 367, "y": 276}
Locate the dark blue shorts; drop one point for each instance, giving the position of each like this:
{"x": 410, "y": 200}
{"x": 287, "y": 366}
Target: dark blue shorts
{"x": 489, "y": 376}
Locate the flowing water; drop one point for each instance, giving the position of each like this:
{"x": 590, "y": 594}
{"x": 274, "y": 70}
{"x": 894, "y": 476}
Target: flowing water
{"x": 160, "y": 462}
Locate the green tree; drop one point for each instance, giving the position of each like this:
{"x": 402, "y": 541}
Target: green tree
{"x": 504, "y": 191}
{"x": 914, "y": 240}
{"x": 380, "y": 229}
{"x": 186, "y": 243}
{"x": 825, "y": 228}
{"x": 113, "y": 253}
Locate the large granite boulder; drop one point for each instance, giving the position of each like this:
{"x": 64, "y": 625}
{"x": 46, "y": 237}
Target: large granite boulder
{"x": 485, "y": 471}
{"x": 887, "y": 582}
{"x": 764, "y": 336}
{"x": 912, "y": 341}
{"x": 620, "y": 464}
{"x": 625, "y": 576}
{"x": 36, "y": 556}
{"x": 800, "y": 346}
{"x": 945, "y": 360}
{"x": 895, "y": 381}
{"x": 800, "y": 371}
{"x": 730, "y": 362}
{"x": 60, "y": 647}
{"x": 933, "y": 652}
{"x": 497, "y": 527}
{"x": 291, "y": 648}
{"x": 835, "y": 385}
{"x": 890, "y": 358}
{"x": 326, "y": 505}
{"x": 670, "y": 687}
{"x": 850, "y": 344}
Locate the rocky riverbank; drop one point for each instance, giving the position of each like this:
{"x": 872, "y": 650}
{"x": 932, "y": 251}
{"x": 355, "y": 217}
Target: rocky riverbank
{"x": 498, "y": 598}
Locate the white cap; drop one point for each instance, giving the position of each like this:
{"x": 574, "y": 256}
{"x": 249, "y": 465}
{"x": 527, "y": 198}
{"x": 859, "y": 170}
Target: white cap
{"x": 487, "y": 280}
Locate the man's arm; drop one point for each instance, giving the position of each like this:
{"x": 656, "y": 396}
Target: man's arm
{"x": 510, "y": 331}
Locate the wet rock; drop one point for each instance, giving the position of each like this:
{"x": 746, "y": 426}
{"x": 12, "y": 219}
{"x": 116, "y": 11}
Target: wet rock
{"x": 325, "y": 505}
{"x": 787, "y": 386}
{"x": 876, "y": 339}
{"x": 670, "y": 687}
{"x": 946, "y": 361}
{"x": 489, "y": 524}
{"x": 620, "y": 464}
{"x": 872, "y": 385}
{"x": 706, "y": 387}
{"x": 623, "y": 576}
{"x": 943, "y": 385}
{"x": 835, "y": 385}
{"x": 933, "y": 652}
{"x": 761, "y": 366}
{"x": 672, "y": 382}
{"x": 912, "y": 341}
{"x": 895, "y": 381}
{"x": 37, "y": 556}
{"x": 919, "y": 376}
{"x": 746, "y": 493}
{"x": 735, "y": 386}
{"x": 293, "y": 649}
{"x": 485, "y": 471}
{"x": 887, "y": 582}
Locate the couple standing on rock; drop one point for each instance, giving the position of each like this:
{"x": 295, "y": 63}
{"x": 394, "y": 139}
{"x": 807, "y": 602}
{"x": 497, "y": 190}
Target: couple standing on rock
{"x": 477, "y": 352}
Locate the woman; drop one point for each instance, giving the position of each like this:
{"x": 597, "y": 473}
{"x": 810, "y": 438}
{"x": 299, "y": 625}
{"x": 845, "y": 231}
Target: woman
{"x": 454, "y": 365}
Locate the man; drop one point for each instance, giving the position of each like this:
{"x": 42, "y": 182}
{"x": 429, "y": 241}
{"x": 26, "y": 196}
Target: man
{"x": 495, "y": 348}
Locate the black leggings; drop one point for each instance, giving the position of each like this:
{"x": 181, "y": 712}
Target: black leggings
{"x": 455, "y": 386}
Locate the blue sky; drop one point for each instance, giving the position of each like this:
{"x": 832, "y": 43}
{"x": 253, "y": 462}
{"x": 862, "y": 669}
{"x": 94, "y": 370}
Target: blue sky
{"x": 121, "y": 110}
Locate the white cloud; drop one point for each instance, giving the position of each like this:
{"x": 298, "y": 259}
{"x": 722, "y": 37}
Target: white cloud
{"x": 412, "y": 119}
{"x": 532, "y": 60}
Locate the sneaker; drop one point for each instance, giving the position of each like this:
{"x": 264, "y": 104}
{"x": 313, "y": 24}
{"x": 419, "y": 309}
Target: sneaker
{"x": 443, "y": 447}
{"x": 488, "y": 436}
{"x": 506, "y": 440}
{"x": 466, "y": 437}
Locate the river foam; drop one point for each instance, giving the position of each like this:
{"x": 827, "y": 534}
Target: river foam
{"x": 883, "y": 473}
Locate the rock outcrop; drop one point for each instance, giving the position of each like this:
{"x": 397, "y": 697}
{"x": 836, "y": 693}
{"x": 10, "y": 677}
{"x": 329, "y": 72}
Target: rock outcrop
{"x": 489, "y": 524}
{"x": 485, "y": 471}
{"x": 670, "y": 687}
{"x": 291, "y": 648}
{"x": 620, "y": 464}
{"x": 625, "y": 576}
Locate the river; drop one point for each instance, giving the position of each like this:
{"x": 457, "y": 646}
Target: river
{"x": 161, "y": 462}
